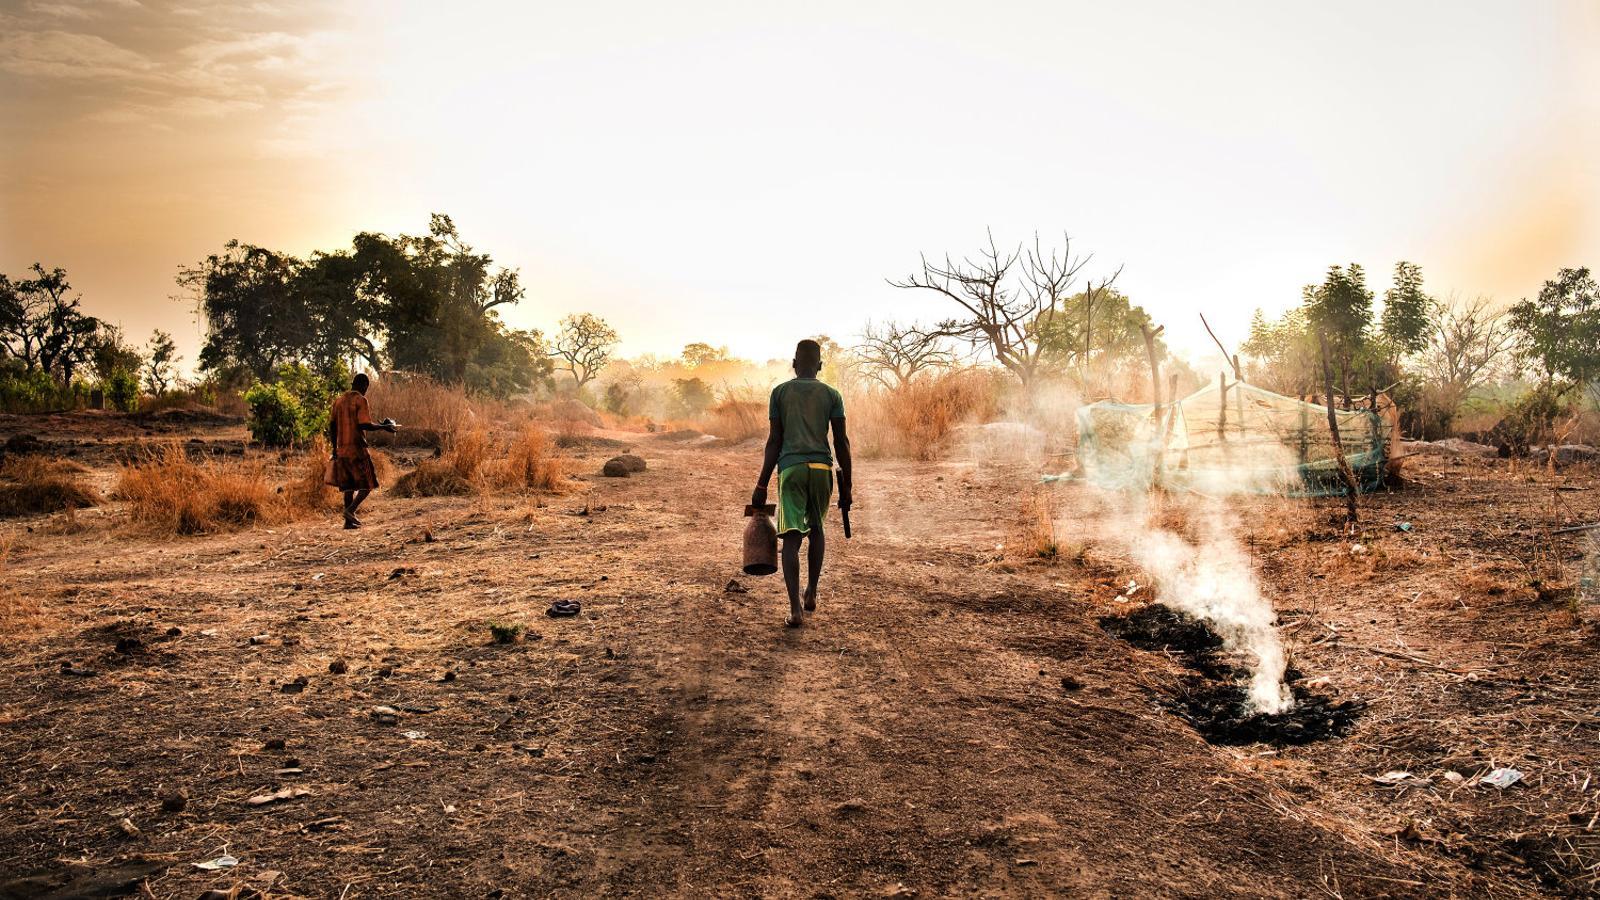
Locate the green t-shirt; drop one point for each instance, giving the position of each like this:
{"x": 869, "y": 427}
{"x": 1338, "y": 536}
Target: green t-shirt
{"x": 803, "y": 406}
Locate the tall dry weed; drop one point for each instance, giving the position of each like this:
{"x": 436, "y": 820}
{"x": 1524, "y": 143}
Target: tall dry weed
{"x": 32, "y": 485}
{"x": 736, "y": 419}
{"x": 432, "y": 414}
{"x": 170, "y": 493}
{"x": 917, "y": 419}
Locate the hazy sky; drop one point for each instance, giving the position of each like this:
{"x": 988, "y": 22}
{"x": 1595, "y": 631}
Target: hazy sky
{"x": 749, "y": 174}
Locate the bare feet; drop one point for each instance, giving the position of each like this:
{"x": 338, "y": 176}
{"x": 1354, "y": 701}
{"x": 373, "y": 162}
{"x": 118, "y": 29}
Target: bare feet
{"x": 811, "y": 600}
{"x": 793, "y": 621}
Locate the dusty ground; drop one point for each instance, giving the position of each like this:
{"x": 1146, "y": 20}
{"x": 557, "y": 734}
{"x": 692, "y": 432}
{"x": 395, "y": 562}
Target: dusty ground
{"x": 952, "y": 722}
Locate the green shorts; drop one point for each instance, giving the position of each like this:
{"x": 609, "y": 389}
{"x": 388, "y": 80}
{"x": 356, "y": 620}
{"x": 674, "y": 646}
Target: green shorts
{"x": 804, "y": 490}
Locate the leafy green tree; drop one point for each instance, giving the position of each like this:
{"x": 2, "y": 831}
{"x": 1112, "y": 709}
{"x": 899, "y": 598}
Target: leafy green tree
{"x": 1559, "y": 330}
{"x": 255, "y": 317}
{"x": 1408, "y": 312}
{"x": 1339, "y": 311}
{"x": 110, "y": 354}
{"x": 694, "y": 396}
{"x": 160, "y": 363}
{"x": 1092, "y": 339}
{"x": 584, "y": 343}
{"x": 699, "y": 353}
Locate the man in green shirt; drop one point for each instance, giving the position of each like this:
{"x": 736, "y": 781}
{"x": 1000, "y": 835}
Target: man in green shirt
{"x": 802, "y": 412}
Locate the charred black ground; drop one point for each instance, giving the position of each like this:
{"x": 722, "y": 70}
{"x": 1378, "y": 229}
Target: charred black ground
{"x": 1220, "y": 712}
{"x": 1216, "y": 701}
{"x": 1163, "y": 629}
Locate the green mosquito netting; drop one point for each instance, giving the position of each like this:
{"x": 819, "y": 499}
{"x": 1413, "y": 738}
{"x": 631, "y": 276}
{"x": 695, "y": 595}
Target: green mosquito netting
{"x": 1257, "y": 442}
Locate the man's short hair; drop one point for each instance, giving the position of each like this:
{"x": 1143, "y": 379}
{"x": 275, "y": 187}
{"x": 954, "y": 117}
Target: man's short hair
{"x": 808, "y": 352}
{"x": 360, "y": 382}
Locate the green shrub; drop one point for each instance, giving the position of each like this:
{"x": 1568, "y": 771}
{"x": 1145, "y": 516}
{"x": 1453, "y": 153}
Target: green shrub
{"x": 24, "y": 391}
{"x": 294, "y": 407}
{"x": 122, "y": 391}
{"x": 275, "y": 415}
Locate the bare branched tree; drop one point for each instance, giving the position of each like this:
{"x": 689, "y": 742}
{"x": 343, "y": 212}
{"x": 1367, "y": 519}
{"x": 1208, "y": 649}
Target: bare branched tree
{"x": 1008, "y": 298}
{"x": 584, "y": 344}
{"x": 893, "y": 354}
{"x": 1468, "y": 339}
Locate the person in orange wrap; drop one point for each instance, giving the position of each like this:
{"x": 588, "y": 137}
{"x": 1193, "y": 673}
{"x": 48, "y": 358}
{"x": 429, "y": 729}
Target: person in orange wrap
{"x": 351, "y": 470}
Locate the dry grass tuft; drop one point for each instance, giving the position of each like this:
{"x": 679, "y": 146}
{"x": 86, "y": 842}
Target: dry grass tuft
{"x": 172, "y": 494}
{"x": 31, "y": 485}
{"x": 738, "y": 419}
{"x": 457, "y": 472}
{"x": 474, "y": 464}
{"x": 531, "y": 464}
{"x": 916, "y": 420}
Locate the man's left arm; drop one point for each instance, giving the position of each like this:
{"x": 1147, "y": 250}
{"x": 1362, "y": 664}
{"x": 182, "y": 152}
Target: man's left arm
{"x": 841, "y": 451}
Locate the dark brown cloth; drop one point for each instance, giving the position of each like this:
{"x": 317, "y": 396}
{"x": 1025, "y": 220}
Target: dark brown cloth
{"x": 352, "y": 473}
{"x": 351, "y": 469}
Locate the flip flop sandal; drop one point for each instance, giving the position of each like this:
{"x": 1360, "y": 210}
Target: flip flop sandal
{"x": 564, "y": 608}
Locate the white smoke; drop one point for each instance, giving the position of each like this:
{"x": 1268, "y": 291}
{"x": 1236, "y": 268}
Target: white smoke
{"x": 1209, "y": 577}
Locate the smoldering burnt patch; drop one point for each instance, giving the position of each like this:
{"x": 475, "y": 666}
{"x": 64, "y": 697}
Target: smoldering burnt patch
{"x": 1221, "y": 713}
{"x": 1216, "y": 700}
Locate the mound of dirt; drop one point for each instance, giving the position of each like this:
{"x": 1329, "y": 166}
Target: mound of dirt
{"x": 184, "y": 419}
{"x": 589, "y": 442}
{"x": 1220, "y": 712}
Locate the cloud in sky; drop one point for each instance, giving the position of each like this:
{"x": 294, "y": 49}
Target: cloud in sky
{"x": 697, "y": 171}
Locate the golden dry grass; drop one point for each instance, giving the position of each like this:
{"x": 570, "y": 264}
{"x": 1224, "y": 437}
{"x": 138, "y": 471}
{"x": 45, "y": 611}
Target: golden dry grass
{"x": 737, "y": 419}
{"x": 173, "y": 494}
{"x": 476, "y": 464}
{"x": 530, "y": 463}
{"x": 31, "y": 485}
{"x": 17, "y": 610}
{"x": 431, "y": 414}
{"x": 916, "y": 420}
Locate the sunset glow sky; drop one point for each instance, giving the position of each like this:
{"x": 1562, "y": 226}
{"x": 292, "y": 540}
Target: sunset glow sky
{"x": 747, "y": 174}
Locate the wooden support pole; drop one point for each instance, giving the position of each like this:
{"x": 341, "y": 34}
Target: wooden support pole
{"x": 1222, "y": 406}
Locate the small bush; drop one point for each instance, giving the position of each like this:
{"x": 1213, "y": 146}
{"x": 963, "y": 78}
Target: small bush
{"x": 122, "y": 391}
{"x": 275, "y": 415}
{"x": 23, "y": 391}
{"x": 173, "y": 494}
{"x": 33, "y": 485}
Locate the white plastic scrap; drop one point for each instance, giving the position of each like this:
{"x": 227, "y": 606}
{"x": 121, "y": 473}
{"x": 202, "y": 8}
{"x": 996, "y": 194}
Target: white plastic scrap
{"x": 1396, "y": 777}
{"x": 1502, "y": 778}
{"x": 414, "y": 735}
{"x": 221, "y": 862}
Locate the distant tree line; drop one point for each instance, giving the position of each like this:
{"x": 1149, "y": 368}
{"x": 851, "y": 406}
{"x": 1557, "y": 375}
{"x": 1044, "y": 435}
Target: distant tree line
{"x": 53, "y": 354}
{"x": 1431, "y": 354}
{"x": 428, "y": 304}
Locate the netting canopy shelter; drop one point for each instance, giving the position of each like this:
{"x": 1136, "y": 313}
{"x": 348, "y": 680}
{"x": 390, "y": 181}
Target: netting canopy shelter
{"x": 1240, "y": 440}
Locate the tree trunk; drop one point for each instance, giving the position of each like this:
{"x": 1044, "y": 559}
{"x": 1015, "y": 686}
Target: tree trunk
{"x": 1343, "y": 464}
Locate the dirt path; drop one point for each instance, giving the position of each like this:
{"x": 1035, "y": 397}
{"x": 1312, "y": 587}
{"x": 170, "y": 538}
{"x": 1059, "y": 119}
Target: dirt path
{"x": 952, "y": 722}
